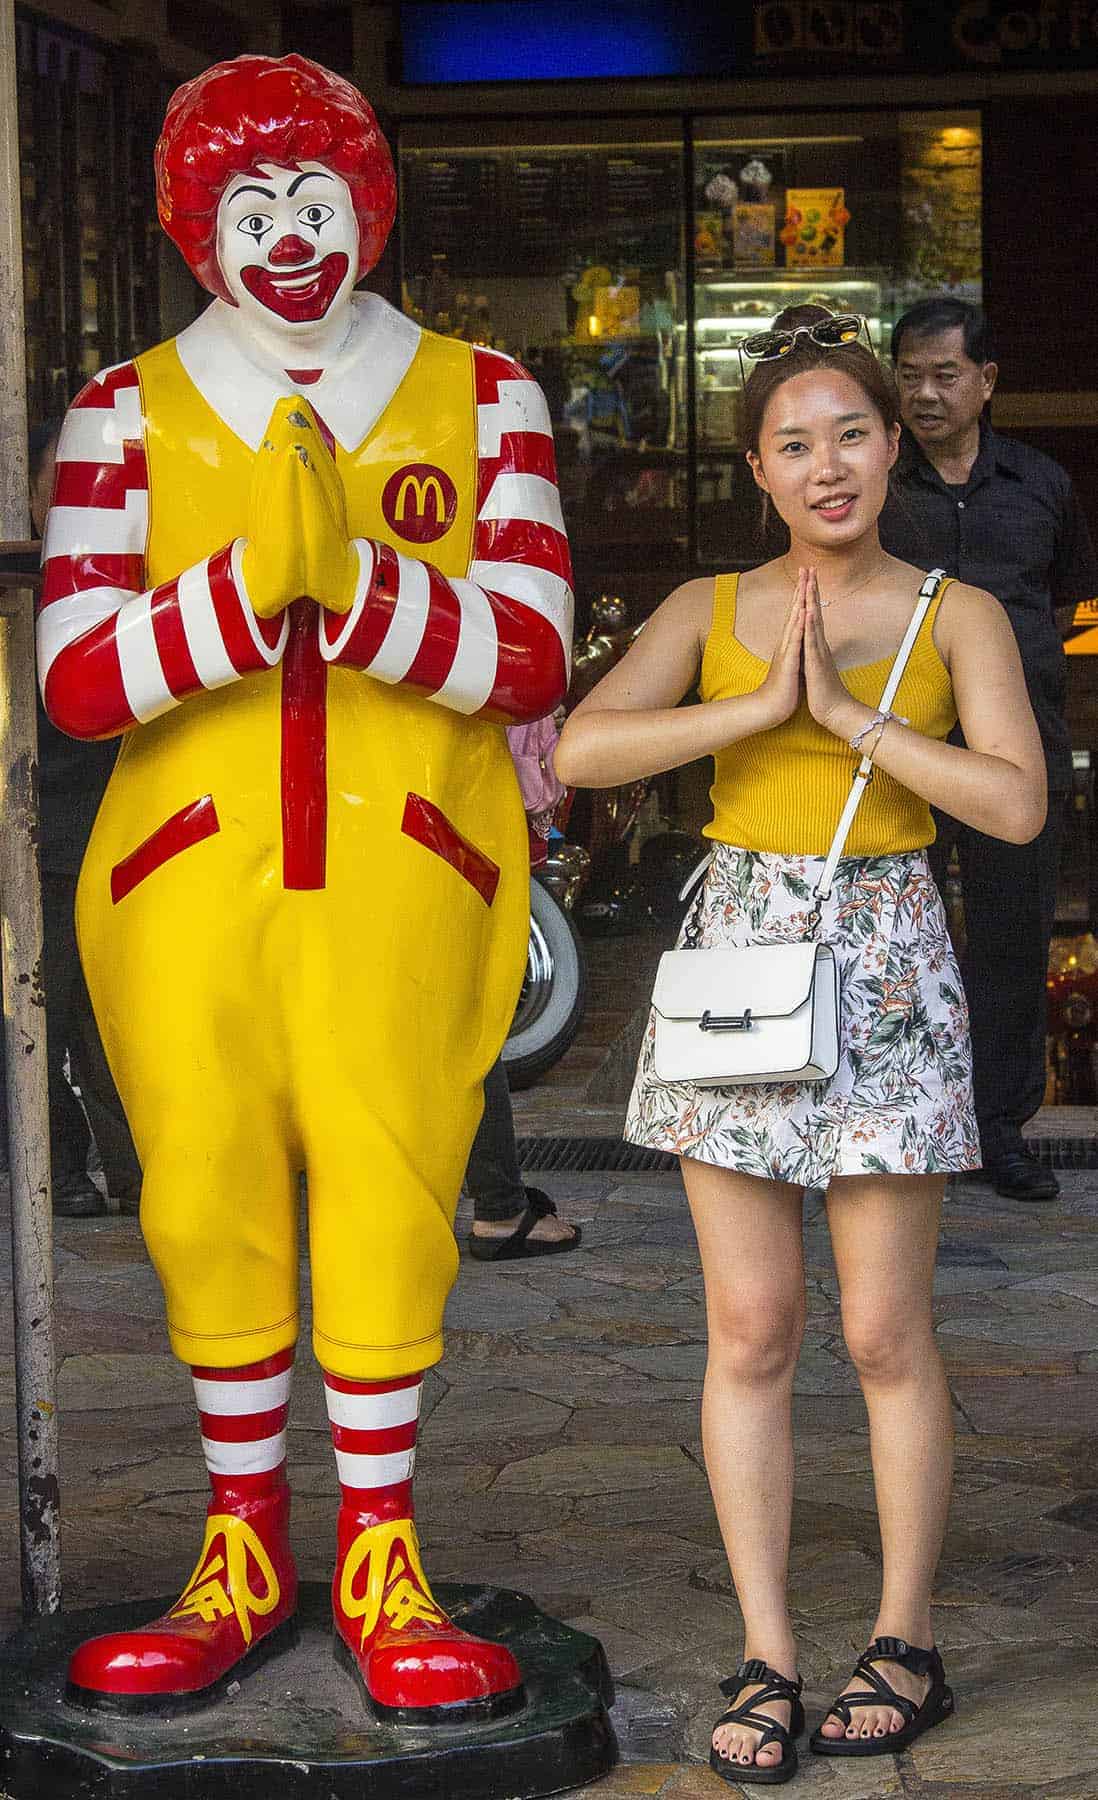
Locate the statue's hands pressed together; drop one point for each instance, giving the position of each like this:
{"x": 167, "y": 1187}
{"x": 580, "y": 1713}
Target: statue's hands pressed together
{"x": 298, "y": 541}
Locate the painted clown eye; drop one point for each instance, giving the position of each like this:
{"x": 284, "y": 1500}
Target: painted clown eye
{"x": 315, "y": 214}
{"x": 255, "y": 225}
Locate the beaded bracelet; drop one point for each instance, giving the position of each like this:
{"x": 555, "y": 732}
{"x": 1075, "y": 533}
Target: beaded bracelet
{"x": 877, "y": 723}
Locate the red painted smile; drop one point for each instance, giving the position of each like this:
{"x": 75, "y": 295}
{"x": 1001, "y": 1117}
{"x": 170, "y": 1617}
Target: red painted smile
{"x": 297, "y": 294}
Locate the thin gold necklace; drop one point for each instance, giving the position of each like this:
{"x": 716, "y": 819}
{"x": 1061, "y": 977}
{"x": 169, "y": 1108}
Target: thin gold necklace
{"x": 854, "y": 590}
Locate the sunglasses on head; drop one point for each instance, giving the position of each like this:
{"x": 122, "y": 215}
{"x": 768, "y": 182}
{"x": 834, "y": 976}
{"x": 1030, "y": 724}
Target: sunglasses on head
{"x": 829, "y": 334}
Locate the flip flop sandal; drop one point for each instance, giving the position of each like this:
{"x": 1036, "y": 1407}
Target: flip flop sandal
{"x": 776, "y": 1687}
{"x": 520, "y": 1243}
{"x": 937, "y": 1705}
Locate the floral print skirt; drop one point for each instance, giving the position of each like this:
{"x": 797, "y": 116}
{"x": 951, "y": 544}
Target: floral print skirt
{"x": 900, "y": 1101}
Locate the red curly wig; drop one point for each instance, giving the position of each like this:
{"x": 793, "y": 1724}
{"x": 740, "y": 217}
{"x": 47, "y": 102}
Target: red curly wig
{"x": 281, "y": 110}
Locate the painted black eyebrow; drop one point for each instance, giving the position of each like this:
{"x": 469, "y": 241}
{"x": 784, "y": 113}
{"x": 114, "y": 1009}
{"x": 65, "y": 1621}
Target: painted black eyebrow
{"x": 251, "y": 188}
{"x": 304, "y": 176}
{"x": 795, "y": 430}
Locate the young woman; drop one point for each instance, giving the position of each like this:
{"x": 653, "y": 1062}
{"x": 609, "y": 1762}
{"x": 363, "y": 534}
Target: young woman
{"x": 790, "y": 660}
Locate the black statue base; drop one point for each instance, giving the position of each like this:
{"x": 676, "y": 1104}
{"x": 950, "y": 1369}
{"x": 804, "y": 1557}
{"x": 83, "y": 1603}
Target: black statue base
{"x": 299, "y": 1726}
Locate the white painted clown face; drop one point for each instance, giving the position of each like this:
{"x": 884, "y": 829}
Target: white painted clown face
{"x": 287, "y": 243}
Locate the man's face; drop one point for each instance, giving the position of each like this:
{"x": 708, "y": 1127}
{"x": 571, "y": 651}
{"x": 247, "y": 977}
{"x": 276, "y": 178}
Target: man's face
{"x": 942, "y": 391}
{"x": 287, "y": 243}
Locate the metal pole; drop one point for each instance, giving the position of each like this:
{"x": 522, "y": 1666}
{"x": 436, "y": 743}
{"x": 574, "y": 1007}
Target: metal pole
{"x": 21, "y": 926}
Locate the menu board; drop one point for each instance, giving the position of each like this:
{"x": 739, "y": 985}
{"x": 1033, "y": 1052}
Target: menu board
{"x": 544, "y": 192}
{"x": 450, "y": 201}
{"x": 639, "y": 206}
{"x": 540, "y": 212}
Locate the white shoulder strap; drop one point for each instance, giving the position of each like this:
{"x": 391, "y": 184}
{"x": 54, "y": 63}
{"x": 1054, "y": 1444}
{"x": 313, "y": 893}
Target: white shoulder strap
{"x": 864, "y": 770}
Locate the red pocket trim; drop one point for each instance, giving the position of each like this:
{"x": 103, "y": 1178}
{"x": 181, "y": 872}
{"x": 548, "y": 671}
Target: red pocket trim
{"x": 186, "y": 827}
{"x": 429, "y": 826}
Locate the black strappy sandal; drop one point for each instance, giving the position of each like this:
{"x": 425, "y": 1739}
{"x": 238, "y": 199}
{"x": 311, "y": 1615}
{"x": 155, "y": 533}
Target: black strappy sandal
{"x": 776, "y": 1687}
{"x": 937, "y": 1705}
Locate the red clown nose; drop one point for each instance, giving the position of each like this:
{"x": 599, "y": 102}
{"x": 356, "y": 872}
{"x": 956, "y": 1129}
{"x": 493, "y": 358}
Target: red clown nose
{"x": 289, "y": 251}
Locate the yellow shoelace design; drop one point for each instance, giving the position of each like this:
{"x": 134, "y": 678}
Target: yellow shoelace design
{"x": 395, "y": 1582}
{"x": 220, "y": 1584}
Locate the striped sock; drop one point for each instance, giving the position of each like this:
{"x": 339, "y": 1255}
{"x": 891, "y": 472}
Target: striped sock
{"x": 242, "y": 1415}
{"x": 374, "y": 1434}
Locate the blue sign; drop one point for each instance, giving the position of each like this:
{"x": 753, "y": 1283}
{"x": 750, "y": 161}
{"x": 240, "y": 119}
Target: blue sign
{"x": 452, "y": 41}
{"x": 560, "y": 40}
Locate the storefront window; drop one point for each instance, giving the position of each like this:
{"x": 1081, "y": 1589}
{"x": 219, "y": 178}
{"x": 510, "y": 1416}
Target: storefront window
{"x": 577, "y": 249}
{"x": 864, "y": 214}
{"x": 566, "y": 251}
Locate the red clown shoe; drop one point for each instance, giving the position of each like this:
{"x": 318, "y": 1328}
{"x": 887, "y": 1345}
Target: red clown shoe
{"x": 416, "y": 1665}
{"x": 234, "y": 1612}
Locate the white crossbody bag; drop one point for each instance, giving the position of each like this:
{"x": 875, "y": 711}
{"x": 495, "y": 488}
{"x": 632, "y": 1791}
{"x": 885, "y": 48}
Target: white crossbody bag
{"x": 768, "y": 1012}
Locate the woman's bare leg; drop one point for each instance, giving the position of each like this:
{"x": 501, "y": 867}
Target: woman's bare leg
{"x": 750, "y": 1237}
{"x": 884, "y": 1231}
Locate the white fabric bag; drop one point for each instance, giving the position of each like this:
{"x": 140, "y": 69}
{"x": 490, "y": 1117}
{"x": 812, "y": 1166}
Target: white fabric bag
{"x": 766, "y": 1012}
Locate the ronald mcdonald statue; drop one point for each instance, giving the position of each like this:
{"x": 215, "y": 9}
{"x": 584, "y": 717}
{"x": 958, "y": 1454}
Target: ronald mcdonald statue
{"x": 309, "y": 560}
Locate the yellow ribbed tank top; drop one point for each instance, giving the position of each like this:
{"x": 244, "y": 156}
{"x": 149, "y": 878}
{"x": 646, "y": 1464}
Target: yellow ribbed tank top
{"x": 783, "y": 790}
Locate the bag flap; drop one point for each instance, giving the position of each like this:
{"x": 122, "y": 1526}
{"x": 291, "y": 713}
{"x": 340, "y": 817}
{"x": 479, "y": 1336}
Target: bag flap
{"x": 772, "y": 980}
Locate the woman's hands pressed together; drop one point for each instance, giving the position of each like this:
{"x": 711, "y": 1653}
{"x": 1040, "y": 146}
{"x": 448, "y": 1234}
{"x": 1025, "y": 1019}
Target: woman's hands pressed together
{"x": 803, "y": 664}
{"x": 829, "y": 699}
{"x": 780, "y": 689}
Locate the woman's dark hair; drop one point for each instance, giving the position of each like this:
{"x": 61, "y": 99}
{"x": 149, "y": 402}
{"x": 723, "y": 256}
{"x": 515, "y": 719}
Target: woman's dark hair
{"x": 855, "y": 360}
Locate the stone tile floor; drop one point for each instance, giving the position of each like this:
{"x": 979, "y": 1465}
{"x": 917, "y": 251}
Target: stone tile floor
{"x": 561, "y": 1455}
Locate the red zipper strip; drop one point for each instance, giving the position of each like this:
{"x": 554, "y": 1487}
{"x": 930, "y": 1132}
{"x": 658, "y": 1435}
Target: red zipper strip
{"x": 304, "y": 753}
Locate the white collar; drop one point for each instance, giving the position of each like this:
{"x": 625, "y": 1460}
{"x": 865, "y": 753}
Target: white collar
{"x": 350, "y": 396}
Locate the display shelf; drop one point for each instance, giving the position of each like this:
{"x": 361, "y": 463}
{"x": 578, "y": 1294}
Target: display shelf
{"x": 731, "y": 305}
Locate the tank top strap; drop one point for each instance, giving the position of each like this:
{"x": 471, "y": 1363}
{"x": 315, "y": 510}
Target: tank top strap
{"x": 723, "y": 624}
{"x": 932, "y": 609}
{"x": 720, "y": 644}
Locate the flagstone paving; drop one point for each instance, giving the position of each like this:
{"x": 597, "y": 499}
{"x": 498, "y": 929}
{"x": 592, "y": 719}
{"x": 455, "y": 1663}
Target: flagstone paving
{"x": 561, "y": 1455}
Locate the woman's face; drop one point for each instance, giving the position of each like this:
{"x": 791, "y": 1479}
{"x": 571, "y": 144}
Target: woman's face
{"x": 824, "y": 457}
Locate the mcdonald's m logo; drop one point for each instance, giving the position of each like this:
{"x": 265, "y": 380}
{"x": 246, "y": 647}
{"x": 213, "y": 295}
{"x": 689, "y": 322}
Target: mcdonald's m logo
{"x": 419, "y": 503}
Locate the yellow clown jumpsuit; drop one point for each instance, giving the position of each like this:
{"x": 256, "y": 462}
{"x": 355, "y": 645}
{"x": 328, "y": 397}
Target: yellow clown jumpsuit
{"x": 255, "y": 1029}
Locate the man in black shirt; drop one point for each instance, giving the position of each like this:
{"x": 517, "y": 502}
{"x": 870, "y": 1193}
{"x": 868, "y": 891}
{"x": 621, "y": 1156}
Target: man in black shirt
{"x": 1002, "y": 517}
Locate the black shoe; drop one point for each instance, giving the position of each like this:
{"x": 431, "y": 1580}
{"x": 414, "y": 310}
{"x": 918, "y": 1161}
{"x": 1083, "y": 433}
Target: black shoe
{"x": 1019, "y": 1176}
{"x": 77, "y": 1197}
{"x": 520, "y": 1243}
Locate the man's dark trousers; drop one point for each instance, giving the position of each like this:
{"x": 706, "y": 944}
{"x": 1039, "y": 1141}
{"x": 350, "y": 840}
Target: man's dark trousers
{"x": 1010, "y": 908}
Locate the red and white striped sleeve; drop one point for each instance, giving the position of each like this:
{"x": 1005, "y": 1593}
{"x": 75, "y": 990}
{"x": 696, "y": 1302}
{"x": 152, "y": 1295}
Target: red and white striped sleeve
{"x": 111, "y": 653}
{"x": 497, "y": 642}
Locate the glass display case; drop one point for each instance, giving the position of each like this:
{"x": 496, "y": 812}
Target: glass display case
{"x": 729, "y": 308}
